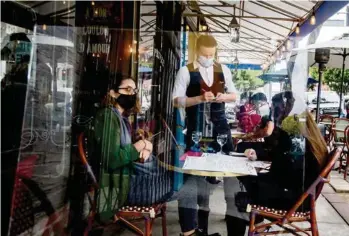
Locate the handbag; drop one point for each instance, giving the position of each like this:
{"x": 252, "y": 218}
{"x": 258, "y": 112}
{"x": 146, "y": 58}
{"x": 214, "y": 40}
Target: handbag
{"x": 149, "y": 183}
{"x": 242, "y": 199}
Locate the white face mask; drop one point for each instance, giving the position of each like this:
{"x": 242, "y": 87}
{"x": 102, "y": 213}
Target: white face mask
{"x": 205, "y": 62}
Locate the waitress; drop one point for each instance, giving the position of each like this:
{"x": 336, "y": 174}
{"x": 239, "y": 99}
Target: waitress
{"x": 202, "y": 88}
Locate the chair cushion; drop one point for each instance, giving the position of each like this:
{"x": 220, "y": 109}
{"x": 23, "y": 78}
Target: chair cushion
{"x": 280, "y": 213}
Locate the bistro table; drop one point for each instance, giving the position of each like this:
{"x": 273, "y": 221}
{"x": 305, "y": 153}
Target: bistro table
{"x": 203, "y": 172}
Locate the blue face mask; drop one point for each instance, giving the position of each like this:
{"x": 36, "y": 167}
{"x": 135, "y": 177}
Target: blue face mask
{"x": 205, "y": 62}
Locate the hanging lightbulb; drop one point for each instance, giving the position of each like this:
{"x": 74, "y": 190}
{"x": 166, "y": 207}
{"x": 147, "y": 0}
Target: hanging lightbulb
{"x": 44, "y": 27}
{"x": 278, "y": 53}
{"x": 63, "y": 2}
{"x": 313, "y": 18}
{"x": 234, "y": 29}
{"x": 92, "y": 3}
{"x": 288, "y": 43}
{"x": 204, "y": 27}
{"x": 283, "y": 48}
{"x": 298, "y": 30}
{"x": 187, "y": 27}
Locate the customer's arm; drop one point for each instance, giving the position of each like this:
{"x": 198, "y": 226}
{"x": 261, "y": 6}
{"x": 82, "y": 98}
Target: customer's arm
{"x": 107, "y": 128}
{"x": 265, "y": 131}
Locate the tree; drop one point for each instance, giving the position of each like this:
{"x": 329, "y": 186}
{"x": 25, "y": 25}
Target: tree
{"x": 333, "y": 77}
{"x": 246, "y": 80}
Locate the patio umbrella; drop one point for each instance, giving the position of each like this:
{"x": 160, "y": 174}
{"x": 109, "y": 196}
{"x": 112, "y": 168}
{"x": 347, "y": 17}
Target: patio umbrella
{"x": 339, "y": 50}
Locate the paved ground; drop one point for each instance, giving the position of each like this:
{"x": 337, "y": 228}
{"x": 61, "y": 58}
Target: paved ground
{"x": 330, "y": 222}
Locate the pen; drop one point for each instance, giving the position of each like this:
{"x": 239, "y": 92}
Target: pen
{"x": 207, "y": 91}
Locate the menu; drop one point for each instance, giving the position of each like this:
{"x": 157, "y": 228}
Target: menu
{"x": 221, "y": 163}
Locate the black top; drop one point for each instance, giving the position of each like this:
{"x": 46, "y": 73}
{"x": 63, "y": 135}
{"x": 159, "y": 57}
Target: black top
{"x": 293, "y": 172}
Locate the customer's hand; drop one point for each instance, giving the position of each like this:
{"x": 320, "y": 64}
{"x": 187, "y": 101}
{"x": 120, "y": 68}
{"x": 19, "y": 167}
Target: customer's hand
{"x": 207, "y": 97}
{"x": 143, "y": 144}
{"x": 251, "y": 154}
{"x": 144, "y": 155}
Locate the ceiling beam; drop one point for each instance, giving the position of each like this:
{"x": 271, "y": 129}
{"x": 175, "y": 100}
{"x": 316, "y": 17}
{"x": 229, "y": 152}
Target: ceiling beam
{"x": 274, "y": 9}
{"x": 248, "y": 12}
{"x": 242, "y": 50}
{"x": 229, "y": 16}
{"x": 294, "y": 5}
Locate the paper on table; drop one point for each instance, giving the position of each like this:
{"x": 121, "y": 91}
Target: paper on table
{"x": 220, "y": 163}
{"x": 236, "y": 154}
{"x": 260, "y": 164}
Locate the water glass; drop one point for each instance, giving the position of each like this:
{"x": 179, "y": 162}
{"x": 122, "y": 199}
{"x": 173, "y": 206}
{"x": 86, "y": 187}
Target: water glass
{"x": 221, "y": 140}
{"x": 196, "y": 137}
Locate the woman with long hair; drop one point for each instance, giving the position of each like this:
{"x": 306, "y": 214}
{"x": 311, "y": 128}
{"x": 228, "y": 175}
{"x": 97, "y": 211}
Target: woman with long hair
{"x": 298, "y": 153}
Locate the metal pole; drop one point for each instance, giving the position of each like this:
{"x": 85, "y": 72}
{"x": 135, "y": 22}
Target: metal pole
{"x": 342, "y": 82}
{"x": 321, "y": 67}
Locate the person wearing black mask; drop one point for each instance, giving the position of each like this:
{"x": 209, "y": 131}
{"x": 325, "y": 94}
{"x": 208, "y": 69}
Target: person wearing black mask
{"x": 120, "y": 154}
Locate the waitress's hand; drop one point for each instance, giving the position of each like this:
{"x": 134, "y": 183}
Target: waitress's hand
{"x": 207, "y": 97}
{"x": 251, "y": 154}
{"x": 221, "y": 97}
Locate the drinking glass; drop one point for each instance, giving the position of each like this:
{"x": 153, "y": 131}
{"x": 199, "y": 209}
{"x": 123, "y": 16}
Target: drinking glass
{"x": 196, "y": 137}
{"x": 221, "y": 140}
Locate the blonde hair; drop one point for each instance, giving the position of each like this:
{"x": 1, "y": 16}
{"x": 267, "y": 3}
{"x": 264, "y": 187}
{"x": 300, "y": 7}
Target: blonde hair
{"x": 317, "y": 143}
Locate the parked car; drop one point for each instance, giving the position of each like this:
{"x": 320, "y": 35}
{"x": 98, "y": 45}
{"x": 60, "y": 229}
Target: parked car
{"x": 329, "y": 103}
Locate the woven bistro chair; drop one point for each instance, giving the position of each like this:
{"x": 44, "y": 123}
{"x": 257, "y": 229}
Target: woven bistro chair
{"x": 128, "y": 215}
{"x": 328, "y": 128}
{"x": 346, "y": 152}
{"x": 339, "y": 126}
{"x": 286, "y": 219}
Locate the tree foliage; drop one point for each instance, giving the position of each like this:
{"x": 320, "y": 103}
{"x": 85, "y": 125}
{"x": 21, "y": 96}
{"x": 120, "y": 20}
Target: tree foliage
{"x": 332, "y": 77}
{"x": 247, "y": 80}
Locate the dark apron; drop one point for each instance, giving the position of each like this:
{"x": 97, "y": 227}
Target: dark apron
{"x": 209, "y": 118}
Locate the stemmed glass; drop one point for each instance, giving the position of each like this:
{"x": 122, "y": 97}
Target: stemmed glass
{"x": 221, "y": 140}
{"x": 196, "y": 137}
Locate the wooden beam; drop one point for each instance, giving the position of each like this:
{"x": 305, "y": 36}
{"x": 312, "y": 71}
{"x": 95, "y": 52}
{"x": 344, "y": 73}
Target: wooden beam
{"x": 230, "y": 16}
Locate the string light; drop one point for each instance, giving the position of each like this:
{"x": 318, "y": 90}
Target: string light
{"x": 204, "y": 27}
{"x": 313, "y": 18}
{"x": 44, "y": 27}
{"x": 298, "y": 30}
{"x": 283, "y": 48}
{"x": 96, "y": 12}
{"x": 288, "y": 43}
{"x": 187, "y": 27}
{"x": 92, "y": 3}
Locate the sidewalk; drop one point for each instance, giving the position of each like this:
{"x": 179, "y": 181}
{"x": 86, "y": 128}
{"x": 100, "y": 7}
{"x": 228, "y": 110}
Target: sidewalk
{"x": 330, "y": 222}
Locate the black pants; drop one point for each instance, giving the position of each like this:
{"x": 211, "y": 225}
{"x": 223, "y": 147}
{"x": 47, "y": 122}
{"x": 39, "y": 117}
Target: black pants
{"x": 194, "y": 192}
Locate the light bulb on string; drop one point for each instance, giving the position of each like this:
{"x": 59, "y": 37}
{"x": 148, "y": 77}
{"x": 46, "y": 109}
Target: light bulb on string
{"x": 313, "y": 18}
{"x": 92, "y": 3}
{"x": 283, "y": 48}
{"x": 298, "y": 30}
{"x": 204, "y": 27}
{"x": 288, "y": 43}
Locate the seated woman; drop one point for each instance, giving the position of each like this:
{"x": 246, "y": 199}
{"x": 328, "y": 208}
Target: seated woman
{"x": 297, "y": 160}
{"x": 263, "y": 130}
{"x": 294, "y": 167}
{"x": 119, "y": 155}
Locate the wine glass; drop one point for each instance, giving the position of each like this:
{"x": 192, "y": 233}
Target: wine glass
{"x": 196, "y": 137}
{"x": 221, "y": 140}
